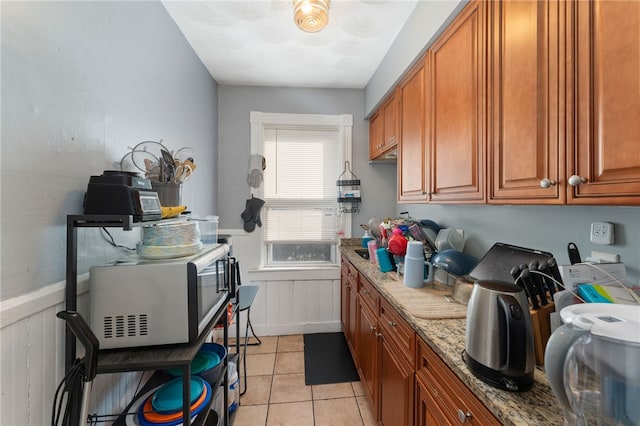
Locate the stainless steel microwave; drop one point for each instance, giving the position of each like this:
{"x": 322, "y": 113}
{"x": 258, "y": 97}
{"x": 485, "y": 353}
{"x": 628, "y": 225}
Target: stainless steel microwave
{"x": 140, "y": 302}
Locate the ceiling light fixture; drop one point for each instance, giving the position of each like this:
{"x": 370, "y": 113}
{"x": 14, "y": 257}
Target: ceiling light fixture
{"x": 311, "y": 15}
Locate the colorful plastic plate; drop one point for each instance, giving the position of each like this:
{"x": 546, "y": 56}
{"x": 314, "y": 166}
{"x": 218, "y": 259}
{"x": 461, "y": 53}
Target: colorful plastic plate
{"x": 169, "y": 397}
{"x": 141, "y": 421}
{"x": 155, "y": 417}
{"x": 203, "y": 361}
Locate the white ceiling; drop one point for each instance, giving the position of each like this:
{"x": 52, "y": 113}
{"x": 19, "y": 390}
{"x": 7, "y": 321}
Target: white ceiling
{"x": 256, "y": 42}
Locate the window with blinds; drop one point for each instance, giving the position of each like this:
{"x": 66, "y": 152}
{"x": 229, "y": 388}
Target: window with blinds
{"x": 299, "y": 216}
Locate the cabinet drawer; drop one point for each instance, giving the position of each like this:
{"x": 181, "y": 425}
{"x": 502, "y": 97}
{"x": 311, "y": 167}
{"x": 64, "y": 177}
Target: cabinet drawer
{"x": 400, "y": 333}
{"x": 454, "y": 398}
{"x": 369, "y": 295}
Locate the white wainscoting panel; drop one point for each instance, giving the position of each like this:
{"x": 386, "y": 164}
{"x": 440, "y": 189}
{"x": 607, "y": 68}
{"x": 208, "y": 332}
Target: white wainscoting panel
{"x": 32, "y": 361}
{"x": 289, "y": 301}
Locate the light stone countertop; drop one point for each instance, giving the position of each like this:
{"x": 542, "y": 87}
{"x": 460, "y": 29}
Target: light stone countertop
{"x": 446, "y": 337}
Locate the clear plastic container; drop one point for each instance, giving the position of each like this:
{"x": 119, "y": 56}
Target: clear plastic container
{"x": 209, "y": 230}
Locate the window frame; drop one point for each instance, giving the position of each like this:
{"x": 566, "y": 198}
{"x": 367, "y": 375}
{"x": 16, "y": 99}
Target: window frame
{"x": 343, "y": 123}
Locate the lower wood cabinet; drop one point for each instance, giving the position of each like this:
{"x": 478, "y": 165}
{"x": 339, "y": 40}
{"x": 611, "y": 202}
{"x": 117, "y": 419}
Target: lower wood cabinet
{"x": 428, "y": 410}
{"x": 348, "y": 297}
{"x": 367, "y": 336}
{"x": 396, "y": 384}
{"x": 404, "y": 380}
{"x": 443, "y": 397}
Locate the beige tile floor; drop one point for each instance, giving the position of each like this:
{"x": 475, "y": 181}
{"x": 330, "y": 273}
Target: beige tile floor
{"x": 277, "y": 395}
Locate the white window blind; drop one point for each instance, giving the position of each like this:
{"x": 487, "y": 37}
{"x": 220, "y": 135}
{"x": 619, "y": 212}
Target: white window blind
{"x": 300, "y": 184}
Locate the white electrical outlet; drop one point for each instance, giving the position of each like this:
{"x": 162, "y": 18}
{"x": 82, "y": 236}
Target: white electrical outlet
{"x": 602, "y": 233}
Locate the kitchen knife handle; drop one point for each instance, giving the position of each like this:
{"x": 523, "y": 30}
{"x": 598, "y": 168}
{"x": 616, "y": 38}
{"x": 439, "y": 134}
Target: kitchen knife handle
{"x": 537, "y": 281}
{"x": 555, "y": 273}
{"x": 574, "y": 254}
{"x": 531, "y": 288}
{"x": 543, "y": 267}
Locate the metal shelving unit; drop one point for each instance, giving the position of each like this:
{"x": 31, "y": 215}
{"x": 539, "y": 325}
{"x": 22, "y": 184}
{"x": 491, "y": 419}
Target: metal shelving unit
{"x": 145, "y": 358}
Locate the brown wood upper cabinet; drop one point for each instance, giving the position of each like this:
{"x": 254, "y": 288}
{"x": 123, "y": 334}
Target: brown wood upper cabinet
{"x": 606, "y": 151}
{"x": 383, "y": 131}
{"x": 412, "y": 149}
{"x": 526, "y": 86}
{"x": 455, "y": 112}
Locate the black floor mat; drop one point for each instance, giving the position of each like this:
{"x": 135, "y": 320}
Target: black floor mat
{"x": 327, "y": 359}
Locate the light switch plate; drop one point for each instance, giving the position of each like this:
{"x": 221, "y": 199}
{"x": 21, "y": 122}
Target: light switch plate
{"x": 602, "y": 233}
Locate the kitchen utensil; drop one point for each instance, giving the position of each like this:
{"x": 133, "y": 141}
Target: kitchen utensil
{"x": 553, "y": 266}
{"x": 530, "y": 287}
{"x": 414, "y": 272}
{"x": 458, "y": 263}
{"x": 384, "y": 260}
{"x": 592, "y": 363}
{"x": 449, "y": 239}
{"x": 574, "y": 254}
{"x": 543, "y": 268}
{"x": 398, "y": 243}
{"x": 372, "y": 246}
{"x": 169, "y": 165}
{"x": 499, "y": 339}
{"x": 537, "y": 281}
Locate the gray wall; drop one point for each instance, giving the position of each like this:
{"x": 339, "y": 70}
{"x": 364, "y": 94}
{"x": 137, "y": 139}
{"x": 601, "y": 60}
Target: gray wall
{"x": 428, "y": 20}
{"x": 82, "y": 82}
{"x": 548, "y": 228}
{"x": 236, "y": 102}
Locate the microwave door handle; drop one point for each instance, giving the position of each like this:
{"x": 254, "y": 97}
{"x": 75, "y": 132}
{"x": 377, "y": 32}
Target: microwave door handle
{"x": 218, "y": 262}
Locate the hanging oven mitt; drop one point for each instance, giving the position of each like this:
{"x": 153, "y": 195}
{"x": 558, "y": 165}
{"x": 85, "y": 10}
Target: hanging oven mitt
{"x": 251, "y": 214}
{"x": 257, "y": 164}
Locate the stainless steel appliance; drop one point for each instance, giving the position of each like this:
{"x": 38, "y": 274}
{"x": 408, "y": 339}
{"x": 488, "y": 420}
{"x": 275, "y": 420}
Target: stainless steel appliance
{"x": 139, "y": 302}
{"x": 499, "y": 338}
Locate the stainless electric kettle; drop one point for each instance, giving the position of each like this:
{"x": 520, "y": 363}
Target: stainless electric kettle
{"x": 499, "y": 339}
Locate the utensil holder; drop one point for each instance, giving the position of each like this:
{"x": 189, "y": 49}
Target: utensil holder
{"x": 169, "y": 193}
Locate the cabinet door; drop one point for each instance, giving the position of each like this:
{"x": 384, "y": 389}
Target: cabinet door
{"x": 383, "y": 131}
{"x": 390, "y": 111}
{"x": 367, "y": 351}
{"x": 352, "y": 323}
{"x": 376, "y": 134}
{"x": 456, "y": 99}
{"x": 607, "y": 100}
{"x": 427, "y": 411}
{"x": 452, "y": 402}
{"x": 348, "y": 297}
{"x": 396, "y": 386}
{"x": 526, "y": 137}
{"x": 412, "y": 153}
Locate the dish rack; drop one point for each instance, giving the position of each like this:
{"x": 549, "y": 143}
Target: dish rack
{"x": 348, "y": 191}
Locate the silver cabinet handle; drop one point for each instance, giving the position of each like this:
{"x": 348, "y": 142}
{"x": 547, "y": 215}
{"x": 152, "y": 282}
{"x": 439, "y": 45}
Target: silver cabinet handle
{"x": 463, "y": 415}
{"x": 391, "y": 323}
{"x": 546, "y": 183}
{"x": 576, "y": 180}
